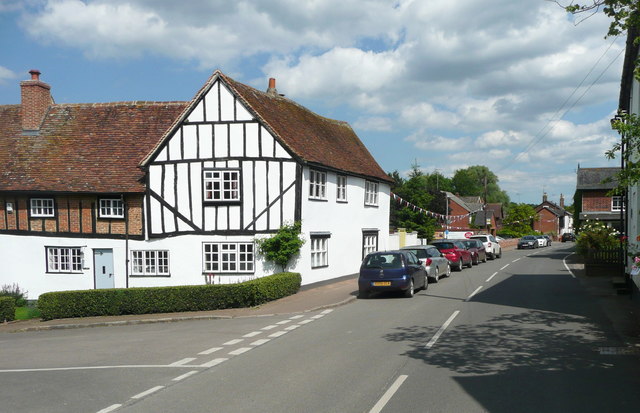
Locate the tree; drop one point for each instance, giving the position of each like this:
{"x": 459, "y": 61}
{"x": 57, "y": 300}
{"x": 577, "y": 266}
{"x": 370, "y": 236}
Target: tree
{"x": 282, "y": 246}
{"x": 518, "y": 220}
{"x": 479, "y": 181}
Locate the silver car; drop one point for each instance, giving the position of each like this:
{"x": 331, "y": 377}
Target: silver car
{"x": 436, "y": 264}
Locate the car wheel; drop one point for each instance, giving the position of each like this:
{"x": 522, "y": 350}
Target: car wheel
{"x": 470, "y": 262}
{"x": 499, "y": 254}
{"x": 476, "y": 261}
{"x": 448, "y": 270}
{"x": 437, "y": 277}
{"x": 410, "y": 291}
{"x": 459, "y": 265}
{"x": 485, "y": 258}
{"x": 363, "y": 295}
{"x": 426, "y": 283}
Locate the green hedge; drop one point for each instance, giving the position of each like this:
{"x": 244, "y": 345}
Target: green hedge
{"x": 119, "y": 301}
{"x": 7, "y": 309}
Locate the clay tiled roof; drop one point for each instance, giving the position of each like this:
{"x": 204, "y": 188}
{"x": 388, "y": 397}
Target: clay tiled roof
{"x": 597, "y": 178}
{"x": 311, "y": 138}
{"x": 82, "y": 147}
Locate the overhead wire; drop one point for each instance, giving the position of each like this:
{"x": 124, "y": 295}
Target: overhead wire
{"x": 553, "y": 121}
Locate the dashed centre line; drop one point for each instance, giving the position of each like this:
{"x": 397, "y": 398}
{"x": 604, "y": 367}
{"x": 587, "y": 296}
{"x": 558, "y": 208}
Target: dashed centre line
{"x": 240, "y": 351}
{"x": 209, "y": 351}
{"x": 184, "y": 376}
{"x": 232, "y": 342}
{"x": 147, "y": 392}
{"x": 441, "y": 330}
{"x": 504, "y": 267}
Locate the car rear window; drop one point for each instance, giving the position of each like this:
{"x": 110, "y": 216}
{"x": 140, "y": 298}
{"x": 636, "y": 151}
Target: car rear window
{"x": 444, "y": 245}
{"x": 420, "y": 253}
{"x": 383, "y": 261}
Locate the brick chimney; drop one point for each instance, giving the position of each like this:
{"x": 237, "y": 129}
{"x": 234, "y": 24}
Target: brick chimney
{"x": 544, "y": 197}
{"x": 36, "y": 99}
{"x": 272, "y": 87}
{"x": 561, "y": 201}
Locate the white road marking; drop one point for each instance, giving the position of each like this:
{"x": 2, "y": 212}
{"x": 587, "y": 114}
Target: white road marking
{"x": 184, "y": 376}
{"x": 435, "y": 338}
{"x": 293, "y": 327}
{"x": 260, "y": 342}
{"x": 474, "y": 293}
{"x": 564, "y": 261}
{"x": 124, "y": 366}
{"x": 388, "y": 394}
{"x": 504, "y": 267}
{"x": 211, "y": 350}
{"x": 295, "y": 317}
{"x": 183, "y": 361}
{"x": 240, "y": 351}
{"x": 214, "y": 362}
{"x": 283, "y": 322}
{"x": 271, "y": 327}
{"x": 317, "y": 316}
{"x": 252, "y": 334}
{"x": 147, "y": 392}
{"x": 517, "y": 259}
{"x": 110, "y": 408}
{"x": 327, "y": 311}
{"x": 278, "y": 334}
{"x": 307, "y": 321}
{"x": 490, "y": 278}
{"x": 232, "y": 342}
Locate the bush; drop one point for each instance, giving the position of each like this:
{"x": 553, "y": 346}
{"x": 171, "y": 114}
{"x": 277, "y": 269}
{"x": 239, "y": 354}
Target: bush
{"x": 595, "y": 235}
{"x": 15, "y": 292}
{"x": 119, "y": 301}
{"x": 7, "y": 309}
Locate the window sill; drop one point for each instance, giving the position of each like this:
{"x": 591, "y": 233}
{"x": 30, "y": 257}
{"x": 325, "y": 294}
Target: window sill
{"x": 149, "y": 276}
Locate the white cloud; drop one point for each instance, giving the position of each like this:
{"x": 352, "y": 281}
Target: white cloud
{"x": 374, "y": 124}
{"x": 6, "y": 75}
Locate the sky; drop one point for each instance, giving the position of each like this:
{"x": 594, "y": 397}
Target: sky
{"x": 518, "y": 86}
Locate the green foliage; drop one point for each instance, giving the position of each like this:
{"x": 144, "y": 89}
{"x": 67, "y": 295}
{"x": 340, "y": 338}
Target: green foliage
{"x": 596, "y": 235}
{"x": 282, "y": 246}
{"x": 418, "y": 191}
{"x": 27, "y": 313}
{"x": 479, "y": 181}
{"x": 518, "y": 220}
{"x": 7, "y": 309}
{"x": 120, "y": 301}
{"x": 628, "y": 126}
{"x": 15, "y": 292}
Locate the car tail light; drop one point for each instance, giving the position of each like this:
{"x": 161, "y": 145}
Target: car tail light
{"x": 429, "y": 261}
{"x": 488, "y": 244}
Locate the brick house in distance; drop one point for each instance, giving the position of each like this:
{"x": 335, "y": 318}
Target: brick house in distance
{"x": 593, "y": 185}
{"x": 552, "y": 218}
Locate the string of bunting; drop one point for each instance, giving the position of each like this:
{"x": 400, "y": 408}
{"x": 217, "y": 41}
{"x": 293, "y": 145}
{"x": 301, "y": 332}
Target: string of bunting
{"x": 405, "y": 203}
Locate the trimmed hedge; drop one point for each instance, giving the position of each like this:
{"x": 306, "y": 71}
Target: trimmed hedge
{"x": 7, "y": 309}
{"x": 120, "y": 301}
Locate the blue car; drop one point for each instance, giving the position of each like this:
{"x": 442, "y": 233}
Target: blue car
{"x": 391, "y": 271}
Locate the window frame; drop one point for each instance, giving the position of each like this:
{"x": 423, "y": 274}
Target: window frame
{"x": 42, "y": 210}
{"x": 617, "y": 204}
{"x": 226, "y": 194}
{"x": 319, "y": 248}
{"x": 341, "y": 188}
{"x": 142, "y": 262}
{"x": 371, "y": 197}
{"x": 68, "y": 260}
{"x": 242, "y": 264}
{"x": 366, "y": 248}
{"x": 317, "y": 185}
{"x": 112, "y": 204}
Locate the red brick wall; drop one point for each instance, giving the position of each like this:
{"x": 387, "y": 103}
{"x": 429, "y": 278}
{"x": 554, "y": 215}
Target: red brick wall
{"x": 73, "y": 214}
{"x": 547, "y": 222}
{"x": 460, "y": 223}
{"x": 596, "y": 201}
{"x": 36, "y": 98}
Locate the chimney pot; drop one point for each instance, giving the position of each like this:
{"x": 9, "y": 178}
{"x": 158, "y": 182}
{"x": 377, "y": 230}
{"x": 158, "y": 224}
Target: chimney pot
{"x": 272, "y": 91}
{"x": 35, "y": 74}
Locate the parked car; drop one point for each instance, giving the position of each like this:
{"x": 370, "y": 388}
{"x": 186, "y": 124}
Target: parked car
{"x": 568, "y": 236}
{"x": 491, "y": 245}
{"x": 455, "y": 252}
{"x": 391, "y": 271}
{"x": 434, "y": 261}
{"x": 548, "y": 240}
{"x": 528, "y": 241}
{"x": 542, "y": 241}
{"x": 477, "y": 250}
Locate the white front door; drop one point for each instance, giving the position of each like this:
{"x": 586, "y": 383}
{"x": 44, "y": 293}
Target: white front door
{"x": 103, "y": 268}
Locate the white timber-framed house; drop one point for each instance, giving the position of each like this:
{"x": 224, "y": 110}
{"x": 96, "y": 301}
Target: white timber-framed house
{"x": 137, "y": 194}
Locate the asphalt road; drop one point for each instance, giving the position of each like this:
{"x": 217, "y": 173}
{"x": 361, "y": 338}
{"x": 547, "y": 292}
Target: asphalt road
{"x": 517, "y": 334}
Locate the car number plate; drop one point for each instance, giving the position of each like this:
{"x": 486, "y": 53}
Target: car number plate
{"x": 382, "y": 283}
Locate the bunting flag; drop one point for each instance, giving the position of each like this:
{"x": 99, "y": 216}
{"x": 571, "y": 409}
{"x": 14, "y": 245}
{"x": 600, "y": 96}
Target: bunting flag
{"x": 442, "y": 217}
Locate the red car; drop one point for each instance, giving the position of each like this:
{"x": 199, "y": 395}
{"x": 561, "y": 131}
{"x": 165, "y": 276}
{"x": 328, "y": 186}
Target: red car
{"x": 455, "y": 252}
